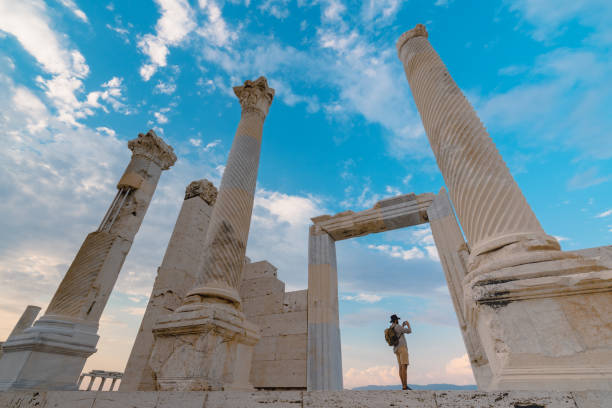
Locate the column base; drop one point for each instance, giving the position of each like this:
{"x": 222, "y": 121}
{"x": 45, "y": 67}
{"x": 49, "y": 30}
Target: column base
{"x": 545, "y": 325}
{"x": 203, "y": 347}
{"x": 50, "y": 355}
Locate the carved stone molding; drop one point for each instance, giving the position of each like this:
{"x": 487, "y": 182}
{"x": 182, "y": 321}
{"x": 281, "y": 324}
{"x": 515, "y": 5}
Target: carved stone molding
{"x": 151, "y": 146}
{"x": 203, "y": 188}
{"x": 255, "y": 96}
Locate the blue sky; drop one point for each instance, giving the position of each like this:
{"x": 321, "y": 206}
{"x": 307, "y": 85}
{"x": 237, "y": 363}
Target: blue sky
{"x": 78, "y": 79}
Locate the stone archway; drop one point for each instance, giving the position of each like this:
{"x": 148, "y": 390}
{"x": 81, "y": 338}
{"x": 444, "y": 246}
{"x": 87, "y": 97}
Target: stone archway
{"x": 324, "y": 363}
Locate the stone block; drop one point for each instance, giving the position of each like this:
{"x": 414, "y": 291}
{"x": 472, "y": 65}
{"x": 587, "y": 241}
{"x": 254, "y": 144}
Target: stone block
{"x": 279, "y": 374}
{"x": 132, "y": 399}
{"x": 291, "y": 347}
{"x": 295, "y": 301}
{"x": 173, "y": 399}
{"x": 257, "y": 270}
{"x": 261, "y": 287}
{"x": 265, "y": 349}
{"x": 509, "y": 399}
{"x": 70, "y": 399}
{"x": 258, "y": 399}
{"x": 263, "y": 305}
{"x": 23, "y": 399}
{"x": 363, "y": 399}
{"x": 593, "y": 399}
{"x": 282, "y": 324}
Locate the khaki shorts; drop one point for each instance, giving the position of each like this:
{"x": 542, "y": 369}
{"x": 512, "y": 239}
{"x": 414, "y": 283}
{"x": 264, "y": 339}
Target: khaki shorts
{"x": 402, "y": 355}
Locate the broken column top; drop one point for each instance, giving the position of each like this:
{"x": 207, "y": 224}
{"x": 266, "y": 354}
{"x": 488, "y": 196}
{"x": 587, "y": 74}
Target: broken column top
{"x": 151, "y": 146}
{"x": 418, "y": 31}
{"x": 202, "y": 188}
{"x": 255, "y": 96}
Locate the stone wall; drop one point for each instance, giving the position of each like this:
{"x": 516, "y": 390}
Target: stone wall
{"x": 279, "y": 360}
{"x": 301, "y": 399}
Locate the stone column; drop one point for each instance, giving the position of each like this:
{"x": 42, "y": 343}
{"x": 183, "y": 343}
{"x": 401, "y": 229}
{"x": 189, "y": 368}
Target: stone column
{"x": 52, "y": 353}
{"x": 25, "y": 321}
{"x": 175, "y": 276}
{"x": 500, "y": 227}
{"x": 207, "y": 344}
{"x": 324, "y": 366}
{"x": 453, "y": 254}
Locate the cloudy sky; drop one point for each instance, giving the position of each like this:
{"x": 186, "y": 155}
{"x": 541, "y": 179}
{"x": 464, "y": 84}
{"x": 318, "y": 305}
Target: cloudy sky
{"x": 78, "y": 79}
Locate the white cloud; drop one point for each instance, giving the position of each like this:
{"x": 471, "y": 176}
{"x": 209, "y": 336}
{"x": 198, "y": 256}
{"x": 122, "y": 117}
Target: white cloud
{"x": 585, "y": 179}
{"x": 396, "y": 251}
{"x": 363, "y": 297}
{"x": 211, "y": 145}
{"x": 195, "y": 142}
{"x": 560, "y": 238}
{"x": 460, "y": 366}
{"x": 165, "y": 88}
{"x": 216, "y": 31}
{"x": 160, "y": 117}
{"x": 604, "y": 214}
{"x": 71, "y": 5}
{"x": 377, "y": 375}
{"x": 176, "y": 22}
{"x": 380, "y": 11}
{"x": 276, "y": 8}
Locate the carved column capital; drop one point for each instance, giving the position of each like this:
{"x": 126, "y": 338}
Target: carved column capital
{"x": 152, "y": 147}
{"x": 255, "y": 96}
{"x": 203, "y": 188}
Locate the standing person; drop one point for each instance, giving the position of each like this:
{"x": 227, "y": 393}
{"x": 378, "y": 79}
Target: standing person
{"x": 401, "y": 349}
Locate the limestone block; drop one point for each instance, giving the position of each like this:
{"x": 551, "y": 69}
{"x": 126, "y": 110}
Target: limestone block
{"x": 279, "y": 374}
{"x": 296, "y": 301}
{"x": 510, "y": 399}
{"x": 70, "y": 399}
{"x": 590, "y": 318}
{"x": 259, "y": 399}
{"x": 363, "y": 399}
{"x": 282, "y": 323}
{"x": 291, "y": 347}
{"x": 265, "y": 349}
{"x": 261, "y": 287}
{"x": 172, "y": 399}
{"x": 23, "y": 399}
{"x": 125, "y": 399}
{"x": 271, "y": 303}
{"x": 261, "y": 269}
{"x": 593, "y": 399}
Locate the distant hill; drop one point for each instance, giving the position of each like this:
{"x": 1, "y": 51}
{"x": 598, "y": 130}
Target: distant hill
{"x": 440, "y": 387}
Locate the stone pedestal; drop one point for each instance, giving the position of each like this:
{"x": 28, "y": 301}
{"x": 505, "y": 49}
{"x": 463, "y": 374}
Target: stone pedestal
{"x": 52, "y": 353}
{"x": 207, "y": 344}
{"x": 175, "y": 277}
{"x": 208, "y": 348}
{"x": 542, "y": 315}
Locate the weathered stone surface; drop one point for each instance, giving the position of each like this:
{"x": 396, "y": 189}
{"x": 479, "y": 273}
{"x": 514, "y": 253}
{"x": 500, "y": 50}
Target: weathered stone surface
{"x": 367, "y": 399}
{"x": 256, "y": 270}
{"x": 280, "y": 373}
{"x": 282, "y": 323}
{"x": 262, "y": 286}
{"x": 593, "y": 399}
{"x": 259, "y": 399}
{"x": 23, "y": 399}
{"x": 70, "y": 399}
{"x": 125, "y": 399}
{"x": 296, "y": 301}
{"x": 511, "y": 399}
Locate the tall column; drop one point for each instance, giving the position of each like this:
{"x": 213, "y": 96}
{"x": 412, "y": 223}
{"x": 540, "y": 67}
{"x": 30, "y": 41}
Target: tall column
{"x": 452, "y": 252}
{"x": 324, "y": 365}
{"x": 207, "y": 342}
{"x": 500, "y": 227}
{"x": 175, "y": 276}
{"x": 52, "y": 353}
{"x": 27, "y": 318}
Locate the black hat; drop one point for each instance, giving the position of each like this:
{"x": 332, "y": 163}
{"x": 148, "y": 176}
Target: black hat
{"x": 394, "y": 318}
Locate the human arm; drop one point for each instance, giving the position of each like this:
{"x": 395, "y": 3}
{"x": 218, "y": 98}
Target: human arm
{"x": 406, "y": 327}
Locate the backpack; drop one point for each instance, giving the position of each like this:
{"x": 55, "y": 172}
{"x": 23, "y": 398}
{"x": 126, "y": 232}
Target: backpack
{"x": 391, "y": 336}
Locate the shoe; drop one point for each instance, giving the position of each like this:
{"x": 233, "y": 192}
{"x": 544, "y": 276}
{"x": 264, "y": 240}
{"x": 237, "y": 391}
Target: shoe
{"x": 407, "y": 388}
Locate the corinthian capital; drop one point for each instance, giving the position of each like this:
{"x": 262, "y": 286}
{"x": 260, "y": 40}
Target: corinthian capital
{"x": 152, "y": 147}
{"x": 255, "y": 95}
{"x": 203, "y": 188}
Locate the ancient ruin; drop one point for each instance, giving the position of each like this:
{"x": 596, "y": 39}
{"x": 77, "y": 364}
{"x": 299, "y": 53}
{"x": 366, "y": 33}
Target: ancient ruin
{"x": 51, "y": 354}
{"x": 532, "y": 317}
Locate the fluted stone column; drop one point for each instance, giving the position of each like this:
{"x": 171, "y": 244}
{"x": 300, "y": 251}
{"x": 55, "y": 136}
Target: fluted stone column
{"x": 324, "y": 365}
{"x": 176, "y": 275}
{"x": 491, "y": 207}
{"x": 52, "y": 353}
{"x": 207, "y": 343}
{"x": 27, "y": 318}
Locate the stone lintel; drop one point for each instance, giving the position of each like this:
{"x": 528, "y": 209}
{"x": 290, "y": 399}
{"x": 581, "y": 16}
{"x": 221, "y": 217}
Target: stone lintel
{"x": 203, "y": 189}
{"x": 386, "y": 215}
{"x": 152, "y": 147}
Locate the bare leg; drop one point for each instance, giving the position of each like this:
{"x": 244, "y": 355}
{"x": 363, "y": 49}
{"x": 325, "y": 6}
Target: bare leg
{"x": 404, "y": 375}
